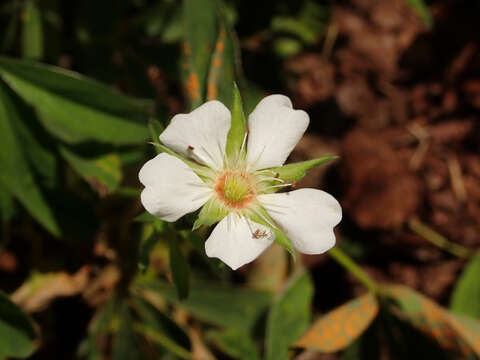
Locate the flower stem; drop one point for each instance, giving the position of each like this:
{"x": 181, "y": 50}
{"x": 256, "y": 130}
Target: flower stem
{"x": 344, "y": 260}
{"x": 439, "y": 240}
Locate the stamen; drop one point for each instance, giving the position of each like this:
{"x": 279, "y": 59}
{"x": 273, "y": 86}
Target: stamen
{"x": 268, "y": 178}
{"x": 276, "y": 186}
{"x": 244, "y": 144}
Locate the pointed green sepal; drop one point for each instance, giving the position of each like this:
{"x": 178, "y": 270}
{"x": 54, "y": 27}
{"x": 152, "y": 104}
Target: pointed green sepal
{"x": 292, "y": 173}
{"x": 155, "y": 128}
{"x": 260, "y": 215}
{"x": 236, "y": 134}
{"x": 212, "y": 212}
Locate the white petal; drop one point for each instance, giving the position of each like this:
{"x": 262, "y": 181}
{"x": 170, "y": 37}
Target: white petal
{"x": 307, "y": 216}
{"x": 237, "y": 241}
{"x": 201, "y": 134}
{"x": 274, "y": 130}
{"x": 172, "y": 189}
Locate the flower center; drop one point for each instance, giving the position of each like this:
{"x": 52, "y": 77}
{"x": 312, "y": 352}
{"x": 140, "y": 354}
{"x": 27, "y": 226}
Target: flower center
{"x": 234, "y": 189}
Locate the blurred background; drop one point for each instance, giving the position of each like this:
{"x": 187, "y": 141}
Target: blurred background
{"x": 392, "y": 86}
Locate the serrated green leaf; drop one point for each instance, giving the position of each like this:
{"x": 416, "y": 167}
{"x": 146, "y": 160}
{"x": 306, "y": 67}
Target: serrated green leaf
{"x": 212, "y": 212}
{"x": 16, "y": 174}
{"x": 16, "y": 330}
{"x": 179, "y": 267}
{"x": 292, "y": 173}
{"x": 289, "y": 316}
{"x": 200, "y": 35}
{"x": 32, "y": 34}
{"x": 74, "y": 108}
{"x": 466, "y": 295}
{"x": 103, "y": 173}
{"x": 340, "y": 327}
{"x": 236, "y": 134}
{"x": 235, "y": 343}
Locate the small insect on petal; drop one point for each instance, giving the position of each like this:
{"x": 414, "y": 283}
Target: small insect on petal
{"x": 190, "y": 147}
{"x": 259, "y": 234}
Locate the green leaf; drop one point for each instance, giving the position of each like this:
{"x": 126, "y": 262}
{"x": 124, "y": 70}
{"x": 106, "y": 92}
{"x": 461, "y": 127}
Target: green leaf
{"x": 224, "y": 65}
{"x": 159, "y": 338}
{"x": 7, "y": 209}
{"x": 155, "y": 322}
{"x": 98, "y": 331}
{"x": 212, "y": 212}
{"x": 16, "y": 330}
{"x": 225, "y": 306}
{"x": 148, "y": 241}
{"x": 466, "y": 295}
{"x": 200, "y": 35}
{"x": 422, "y": 10}
{"x": 289, "y": 316}
{"x": 236, "y": 134}
{"x": 103, "y": 173}
{"x": 16, "y": 174}
{"x": 10, "y": 30}
{"x": 126, "y": 345}
{"x": 235, "y": 343}
{"x": 38, "y": 146}
{"x": 340, "y": 327}
{"x": 32, "y": 35}
{"x": 179, "y": 267}
{"x": 294, "y": 26}
{"x": 74, "y": 108}
{"x": 296, "y": 171}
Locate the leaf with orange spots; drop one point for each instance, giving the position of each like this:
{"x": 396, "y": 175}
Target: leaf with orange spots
{"x": 225, "y": 64}
{"x": 340, "y": 327}
{"x": 452, "y": 332}
{"x": 199, "y": 42}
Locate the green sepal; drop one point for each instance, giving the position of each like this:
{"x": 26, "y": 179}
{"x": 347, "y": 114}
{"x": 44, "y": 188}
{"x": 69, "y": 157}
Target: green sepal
{"x": 236, "y": 134}
{"x": 212, "y": 212}
{"x": 261, "y": 216}
{"x": 294, "y": 172}
{"x": 155, "y": 128}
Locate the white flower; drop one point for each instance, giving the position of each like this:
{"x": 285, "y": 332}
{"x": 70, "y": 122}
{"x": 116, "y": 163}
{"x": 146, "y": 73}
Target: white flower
{"x": 238, "y": 191}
